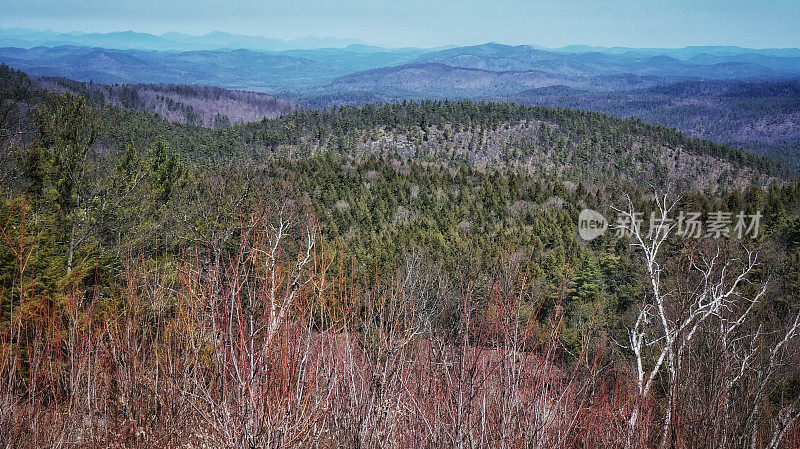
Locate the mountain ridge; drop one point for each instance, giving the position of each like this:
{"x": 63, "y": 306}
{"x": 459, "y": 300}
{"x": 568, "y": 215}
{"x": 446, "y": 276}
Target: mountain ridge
{"x": 610, "y": 80}
{"x": 131, "y": 40}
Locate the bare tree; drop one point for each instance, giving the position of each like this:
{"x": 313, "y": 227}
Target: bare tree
{"x": 249, "y": 297}
{"x": 669, "y": 317}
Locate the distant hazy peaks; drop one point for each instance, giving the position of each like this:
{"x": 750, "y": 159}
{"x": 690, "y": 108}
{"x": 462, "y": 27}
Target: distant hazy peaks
{"x": 126, "y": 40}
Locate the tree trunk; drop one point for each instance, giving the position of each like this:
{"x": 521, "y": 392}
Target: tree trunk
{"x": 71, "y": 251}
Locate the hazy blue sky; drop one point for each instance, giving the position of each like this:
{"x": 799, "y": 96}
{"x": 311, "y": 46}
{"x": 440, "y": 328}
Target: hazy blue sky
{"x": 552, "y": 23}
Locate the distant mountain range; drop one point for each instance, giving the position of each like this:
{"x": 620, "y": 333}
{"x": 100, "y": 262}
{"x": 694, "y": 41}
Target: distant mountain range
{"x": 129, "y": 40}
{"x": 219, "y": 40}
{"x": 747, "y": 97}
{"x": 239, "y": 69}
{"x": 246, "y": 63}
{"x": 464, "y": 72}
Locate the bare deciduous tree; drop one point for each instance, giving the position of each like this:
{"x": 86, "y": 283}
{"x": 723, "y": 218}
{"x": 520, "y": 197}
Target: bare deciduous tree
{"x": 716, "y": 296}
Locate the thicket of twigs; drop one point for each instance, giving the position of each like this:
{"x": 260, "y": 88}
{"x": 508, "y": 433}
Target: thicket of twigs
{"x": 267, "y": 345}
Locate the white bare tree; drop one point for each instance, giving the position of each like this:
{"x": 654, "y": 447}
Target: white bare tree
{"x": 251, "y": 296}
{"x": 668, "y": 319}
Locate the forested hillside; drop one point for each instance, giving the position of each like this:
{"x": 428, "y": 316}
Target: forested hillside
{"x": 212, "y": 107}
{"x": 738, "y": 96}
{"x": 405, "y": 274}
{"x": 760, "y": 116}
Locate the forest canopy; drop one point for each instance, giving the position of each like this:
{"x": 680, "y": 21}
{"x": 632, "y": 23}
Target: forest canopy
{"x": 395, "y": 231}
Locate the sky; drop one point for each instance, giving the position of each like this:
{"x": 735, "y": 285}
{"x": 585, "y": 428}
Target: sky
{"x": 547, "y": 23}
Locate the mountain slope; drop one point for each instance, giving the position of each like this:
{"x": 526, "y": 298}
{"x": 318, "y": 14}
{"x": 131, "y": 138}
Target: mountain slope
{"x": 233, "y": 69}
{"x": 572, "y": 145}
{"x": 303, "y": 70}
{"x": 434, "y": 79}
{"x": 761, "y": 116}
{"x": 195, "y": 105}
{"x": 499, "y": 57}
{"x": 239, "y": 69}
{"x": 608, "y": 80}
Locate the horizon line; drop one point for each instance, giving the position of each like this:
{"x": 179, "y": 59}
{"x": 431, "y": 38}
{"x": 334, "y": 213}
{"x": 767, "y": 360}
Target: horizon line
{"x": 359, "y": 41}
